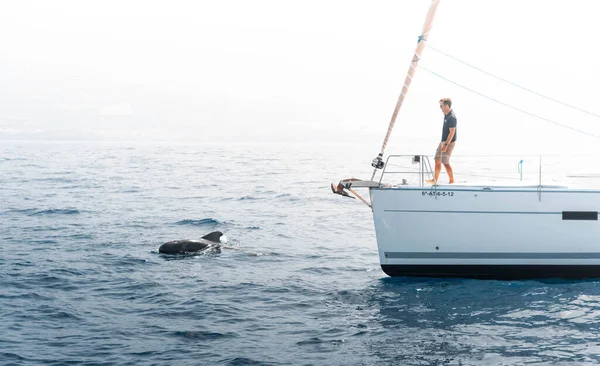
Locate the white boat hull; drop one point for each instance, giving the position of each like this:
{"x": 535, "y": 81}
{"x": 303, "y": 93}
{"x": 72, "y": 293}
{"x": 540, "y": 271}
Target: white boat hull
{"x": 487, "y": 232}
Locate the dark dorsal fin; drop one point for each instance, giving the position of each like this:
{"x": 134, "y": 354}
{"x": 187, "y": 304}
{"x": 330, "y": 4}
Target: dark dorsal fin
{"x": 215, "y": 236}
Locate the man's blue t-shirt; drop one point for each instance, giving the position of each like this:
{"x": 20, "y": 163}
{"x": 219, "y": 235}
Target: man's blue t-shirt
{"x": 449, "y": 122}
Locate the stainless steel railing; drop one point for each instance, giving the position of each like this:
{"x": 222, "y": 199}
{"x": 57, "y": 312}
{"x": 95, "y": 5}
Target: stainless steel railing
{"x": 577, "y": 171}
{"x": 421, "y": 171}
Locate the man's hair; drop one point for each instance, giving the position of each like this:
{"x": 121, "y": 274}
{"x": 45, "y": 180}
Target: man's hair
{"x": 446, "y": 101}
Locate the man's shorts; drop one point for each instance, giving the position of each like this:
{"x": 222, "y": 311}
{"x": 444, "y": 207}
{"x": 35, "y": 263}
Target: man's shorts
{"x": 444, "y": 156}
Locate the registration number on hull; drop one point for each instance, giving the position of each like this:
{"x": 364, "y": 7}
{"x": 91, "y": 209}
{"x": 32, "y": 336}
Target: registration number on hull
{"x": 437, "y": 194}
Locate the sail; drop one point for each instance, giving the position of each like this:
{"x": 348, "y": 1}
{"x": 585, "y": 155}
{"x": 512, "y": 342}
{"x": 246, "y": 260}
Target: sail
{"x": 378, "y": 162}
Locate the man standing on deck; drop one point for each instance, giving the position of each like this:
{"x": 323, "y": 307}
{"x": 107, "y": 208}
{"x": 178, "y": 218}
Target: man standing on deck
{"x": 444, "y": 150}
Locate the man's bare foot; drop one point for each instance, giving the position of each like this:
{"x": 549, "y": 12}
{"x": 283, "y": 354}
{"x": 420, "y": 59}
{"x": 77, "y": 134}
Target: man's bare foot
{"x": 430, "y": 181}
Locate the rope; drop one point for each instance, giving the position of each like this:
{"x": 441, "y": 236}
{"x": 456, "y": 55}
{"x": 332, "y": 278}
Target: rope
{"x": 508, "y": 105}
{"x": 514, "y": 84}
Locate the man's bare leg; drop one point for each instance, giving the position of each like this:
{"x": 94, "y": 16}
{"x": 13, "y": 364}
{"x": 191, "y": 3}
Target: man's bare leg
{"x": 438, "y": 169}
{"x": 449, "y": 171}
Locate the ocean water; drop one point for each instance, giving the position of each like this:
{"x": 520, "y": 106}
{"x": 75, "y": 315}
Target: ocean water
{"x": 299, "y": 282}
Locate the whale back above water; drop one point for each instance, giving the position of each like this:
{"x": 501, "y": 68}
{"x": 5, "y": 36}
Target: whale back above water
{"x": 212, "y": 240}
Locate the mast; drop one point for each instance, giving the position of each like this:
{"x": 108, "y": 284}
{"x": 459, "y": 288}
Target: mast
{"x": 378, "y": 161}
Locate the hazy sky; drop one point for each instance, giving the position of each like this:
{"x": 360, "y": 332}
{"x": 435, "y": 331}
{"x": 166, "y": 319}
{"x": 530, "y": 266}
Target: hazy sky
{"x": 327, "y": 71}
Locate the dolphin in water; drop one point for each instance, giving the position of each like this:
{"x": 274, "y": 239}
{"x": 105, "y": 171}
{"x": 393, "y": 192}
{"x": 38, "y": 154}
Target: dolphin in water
{"x": 185, "y": 246}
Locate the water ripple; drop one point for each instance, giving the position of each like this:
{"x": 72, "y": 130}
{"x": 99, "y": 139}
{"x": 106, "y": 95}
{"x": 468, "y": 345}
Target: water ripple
{"x": 56, "y": 212}
{"x": 293, "y": 287}
{"x": 201, "y": 222}
{"x": 204, "y": 335}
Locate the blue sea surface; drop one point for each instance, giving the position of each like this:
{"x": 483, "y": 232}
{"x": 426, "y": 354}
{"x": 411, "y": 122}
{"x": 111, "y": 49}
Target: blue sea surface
{"x": 299, "y": 282}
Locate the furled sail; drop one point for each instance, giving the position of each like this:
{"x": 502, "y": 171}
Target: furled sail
{"x": 378, "y": 161}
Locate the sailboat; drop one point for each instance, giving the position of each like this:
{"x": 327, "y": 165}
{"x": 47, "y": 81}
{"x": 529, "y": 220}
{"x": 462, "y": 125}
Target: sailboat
{"x": 518, "y": 231}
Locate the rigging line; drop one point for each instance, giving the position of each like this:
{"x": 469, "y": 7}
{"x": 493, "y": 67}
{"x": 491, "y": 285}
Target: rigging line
{"x": 513, "y": 84}
{"x": 508, "y": 105}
